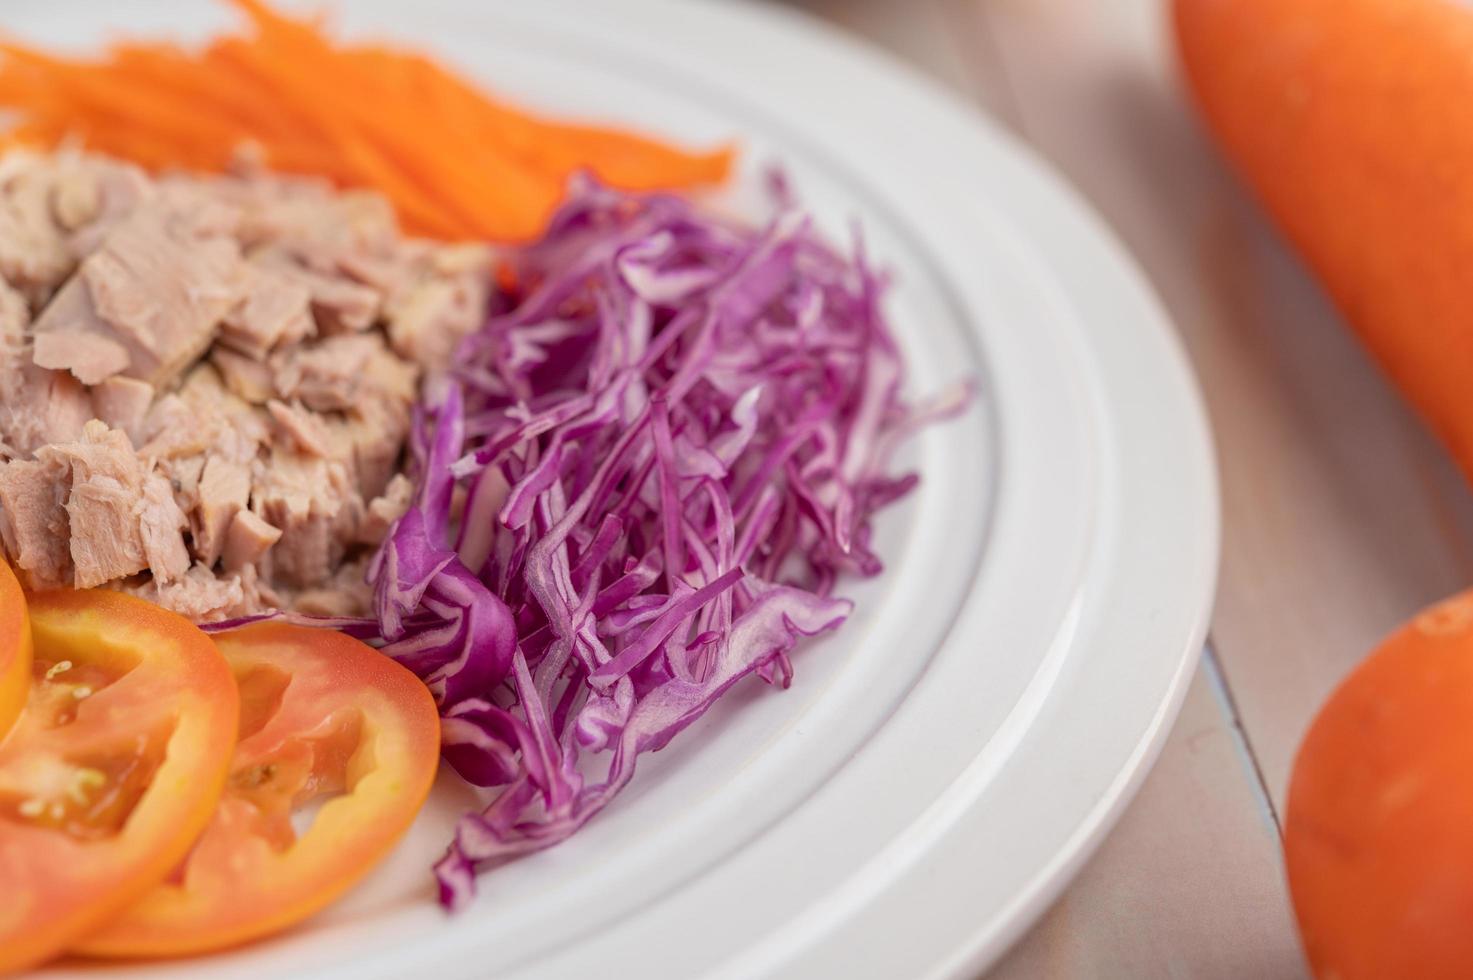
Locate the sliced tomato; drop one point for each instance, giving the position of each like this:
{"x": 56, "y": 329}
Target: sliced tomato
{"x": 15, "y": 649}
{"x": 113, "y": 769}
{"x": 326, "y": 722}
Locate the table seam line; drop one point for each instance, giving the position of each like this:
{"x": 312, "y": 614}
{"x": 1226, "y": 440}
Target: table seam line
{"x": 1217, "y": 679}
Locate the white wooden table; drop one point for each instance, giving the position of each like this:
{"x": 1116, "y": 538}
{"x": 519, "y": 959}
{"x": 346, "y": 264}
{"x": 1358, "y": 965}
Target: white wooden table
{"x": 1341, "y": 515}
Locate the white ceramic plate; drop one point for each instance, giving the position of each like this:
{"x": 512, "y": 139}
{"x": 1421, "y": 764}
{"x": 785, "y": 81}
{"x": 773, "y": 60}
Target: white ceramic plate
{"x": 942, "y": 765}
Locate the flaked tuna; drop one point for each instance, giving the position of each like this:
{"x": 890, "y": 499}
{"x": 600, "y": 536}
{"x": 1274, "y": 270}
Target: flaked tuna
{"x": 206, "y": 383}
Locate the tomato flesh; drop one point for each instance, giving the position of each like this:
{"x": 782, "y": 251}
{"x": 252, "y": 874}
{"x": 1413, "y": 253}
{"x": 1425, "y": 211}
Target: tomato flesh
{"x": 325, "y": 721}
{"x": 113, "y": 768}
{"x": 15, "y": 649}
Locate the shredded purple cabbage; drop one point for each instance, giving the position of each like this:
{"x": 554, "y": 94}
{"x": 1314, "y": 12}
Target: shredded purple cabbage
{"x": 641, "y": 485}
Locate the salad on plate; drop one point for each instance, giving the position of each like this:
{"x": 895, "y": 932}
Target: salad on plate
{"x": 353, "y": 422}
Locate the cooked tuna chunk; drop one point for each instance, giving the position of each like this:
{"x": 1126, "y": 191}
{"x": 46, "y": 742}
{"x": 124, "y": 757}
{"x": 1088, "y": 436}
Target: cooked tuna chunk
{"x": 33, "y": 252}
{"x": 247, "y": 541}
{"x": 203, "y": 416}
{"x": 15, "y": 316}
{"x": 306, "y": 216}
{"x": 314, "y": 503}
{"x": 90, "y": 355}
{"x": 370, "y": 442}
{"x": 245, "y": 377}
{"x": 36, "y": 406}
{"x": 54, "y": 210}
{"x": 224, "y": 491}
{"x": 276, "y": 310}
{"x": 204, "y": 597}
{"x": 300, "y": 426}
{"x": 40, "y": 407}
{"x": 429, "y": 314}
{"x": 160, "y": 521}
{"x": 236, "y": 428}
{"x": 174, "y": 430}
{"x": 183, "y": 474}
{"x": 387, "y": 272}
{"x": 345, "y": 594}
{"x": 105, "y": 541}
{"x": 76, "y": 198}
{"x": 123, "y": 403}
{"x": 92, "y": 196}
{"x": 33, "y": 520}
{"x": 146, "y": 303}
{"x": 339, "y": 305}
{"x": 106, "y": 489}
{"x": 329, "y": 376}
{"x": 121, "y": 518}
{"x": 384, "y": 510}
{"x": 369, "y": 437}
{"x": 112, "y": 506}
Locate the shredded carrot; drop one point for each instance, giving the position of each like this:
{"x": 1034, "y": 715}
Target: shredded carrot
{"x": 454, "y": 162}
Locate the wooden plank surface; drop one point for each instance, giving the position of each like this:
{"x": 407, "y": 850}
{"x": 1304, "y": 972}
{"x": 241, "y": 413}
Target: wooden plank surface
{"x": 1341, "y": 516}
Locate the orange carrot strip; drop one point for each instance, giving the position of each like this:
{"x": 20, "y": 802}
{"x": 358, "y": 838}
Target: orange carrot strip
{"x": 453, "y": 161}
{"x": 372, "y": 170}
{"x": 452, "y": 180}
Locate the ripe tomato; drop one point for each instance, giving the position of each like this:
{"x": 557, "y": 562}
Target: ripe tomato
{"x": 323, "y": 716}
{"x": 1379, "y": 835}
{"x": 113, "y": 768}
{"x": 15, "y": 649}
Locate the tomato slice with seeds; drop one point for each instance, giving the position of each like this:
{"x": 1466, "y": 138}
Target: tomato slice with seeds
{"x": 326, "y": 722}
{"x": 113, "y": 768}
{"x": 15, "y": 649}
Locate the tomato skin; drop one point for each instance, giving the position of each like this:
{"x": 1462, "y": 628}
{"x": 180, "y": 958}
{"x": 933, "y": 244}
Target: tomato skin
{"x": 15, "y": 649}
{"x": 57, "y": 886}
{"x": 1378, "y": 839}
{"x": 237, "y": 885}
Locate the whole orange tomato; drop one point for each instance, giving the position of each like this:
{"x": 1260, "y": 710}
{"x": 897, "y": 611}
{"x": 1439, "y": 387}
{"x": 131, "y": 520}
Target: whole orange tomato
{"x": 1379, "y": 834}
